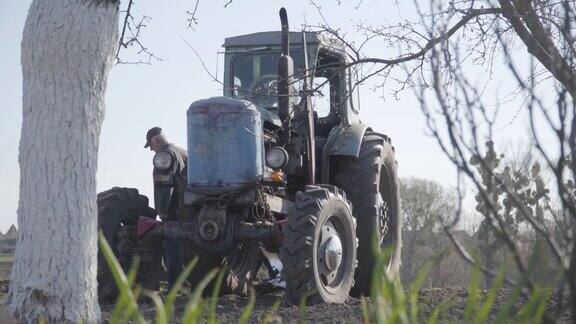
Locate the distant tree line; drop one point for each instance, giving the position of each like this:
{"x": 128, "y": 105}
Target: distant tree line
{"x": 429, "y": 208}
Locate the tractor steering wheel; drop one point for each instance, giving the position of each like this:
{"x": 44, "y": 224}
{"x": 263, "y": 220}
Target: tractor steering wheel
{"x": 264, "y": 91}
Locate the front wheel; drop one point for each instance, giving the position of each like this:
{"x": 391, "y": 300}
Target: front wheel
{"x": 319, "y": 249}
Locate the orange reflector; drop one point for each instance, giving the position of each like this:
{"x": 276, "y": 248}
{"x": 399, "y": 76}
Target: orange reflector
{"x": 277, "y": 176}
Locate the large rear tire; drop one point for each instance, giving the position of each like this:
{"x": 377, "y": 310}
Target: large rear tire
{"x": 118, "y": 212}
{"x": 318, "y": 253}
{"x": 371, "y": 183}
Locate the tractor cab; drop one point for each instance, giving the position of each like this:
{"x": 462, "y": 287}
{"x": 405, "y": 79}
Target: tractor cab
{"x": 251, "y": 67}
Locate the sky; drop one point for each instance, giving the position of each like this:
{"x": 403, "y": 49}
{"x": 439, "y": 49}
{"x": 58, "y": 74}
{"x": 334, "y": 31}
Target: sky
{"x": 142, "y": 96}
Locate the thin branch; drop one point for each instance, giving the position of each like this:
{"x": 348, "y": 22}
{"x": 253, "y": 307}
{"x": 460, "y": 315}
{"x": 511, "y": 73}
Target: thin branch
{"x": 434, "y": 41}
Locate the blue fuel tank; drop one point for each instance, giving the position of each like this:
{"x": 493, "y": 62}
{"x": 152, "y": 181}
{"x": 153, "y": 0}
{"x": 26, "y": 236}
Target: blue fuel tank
{"x": 225, "y": 146}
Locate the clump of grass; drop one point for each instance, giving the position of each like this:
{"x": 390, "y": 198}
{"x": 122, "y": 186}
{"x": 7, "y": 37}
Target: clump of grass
{"x": 126, "y": 308}
{"x": 390, "y": 302}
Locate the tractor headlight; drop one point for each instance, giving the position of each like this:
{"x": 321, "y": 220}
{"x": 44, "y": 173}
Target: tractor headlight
{"x": 276, "y": 157}
{"x": 162, "y": 161}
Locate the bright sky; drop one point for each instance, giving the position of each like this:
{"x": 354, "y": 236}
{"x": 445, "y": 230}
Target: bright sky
{"x": 139, "y": 97}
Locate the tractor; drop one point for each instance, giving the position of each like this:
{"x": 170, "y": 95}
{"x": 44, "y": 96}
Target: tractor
{"x": 280, "y": 163}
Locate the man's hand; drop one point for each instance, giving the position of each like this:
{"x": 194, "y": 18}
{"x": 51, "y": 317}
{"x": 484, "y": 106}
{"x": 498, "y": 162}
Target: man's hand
{"x": 163, "y": 217}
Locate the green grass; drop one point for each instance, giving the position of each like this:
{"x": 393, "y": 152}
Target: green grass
{"x": 389, "y": 301}
{"x": 126, "y": 309}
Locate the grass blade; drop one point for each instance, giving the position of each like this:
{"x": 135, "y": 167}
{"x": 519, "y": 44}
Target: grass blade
{"x": 365, "y": 311}
{"x": 504, "y": 314}
{"x": 544, "y": 301}
{"x": 535, "y": 308}
{"x": 249, "y": 308}
{"x": 161, "y": 316}
{"x": 194, "y": 307}
{"x": 173, "y": 293}
{"x": 447, "y": 302}
{"x": 124, "y": 285}
{"x": 272, "y": 313}
{"x": 415, "y": 290}
{"x": 214, "y": 297}
{"x": 473, "y": 298}
{"x": 484, "y": 312}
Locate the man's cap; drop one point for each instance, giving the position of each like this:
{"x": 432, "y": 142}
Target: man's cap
{"x": 151, "y": 133}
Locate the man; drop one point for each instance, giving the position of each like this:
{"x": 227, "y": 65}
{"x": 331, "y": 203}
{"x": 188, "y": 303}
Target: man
{"x": 169, "y": 175}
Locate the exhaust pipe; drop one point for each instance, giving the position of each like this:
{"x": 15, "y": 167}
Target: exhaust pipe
{"x": 285, "y": 32}
{"x": 285, "y": 73}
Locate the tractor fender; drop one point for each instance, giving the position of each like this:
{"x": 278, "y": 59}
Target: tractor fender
{"x": 343, "y": 140}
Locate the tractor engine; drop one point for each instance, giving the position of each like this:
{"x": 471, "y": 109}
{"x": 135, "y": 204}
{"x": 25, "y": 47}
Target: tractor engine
{"x": 225, "y": 166}
{"x": 225, "y": 146}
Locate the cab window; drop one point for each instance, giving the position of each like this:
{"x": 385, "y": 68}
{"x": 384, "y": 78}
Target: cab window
{"x": 254, "y": 77}
{"x": 328, "y": 80}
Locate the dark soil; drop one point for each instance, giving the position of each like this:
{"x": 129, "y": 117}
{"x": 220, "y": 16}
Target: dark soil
{"x": 230, "y": 307}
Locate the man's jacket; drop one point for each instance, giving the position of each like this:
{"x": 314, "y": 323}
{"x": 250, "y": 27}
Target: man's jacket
{"x": 170, "y": 182}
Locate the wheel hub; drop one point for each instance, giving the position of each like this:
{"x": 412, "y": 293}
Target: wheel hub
{"x": 330, "y": 252}
{"x": 333, "y": 253}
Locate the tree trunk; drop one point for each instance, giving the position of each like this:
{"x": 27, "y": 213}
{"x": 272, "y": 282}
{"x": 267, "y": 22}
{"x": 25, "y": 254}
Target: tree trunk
{"x": 67, "y": 50}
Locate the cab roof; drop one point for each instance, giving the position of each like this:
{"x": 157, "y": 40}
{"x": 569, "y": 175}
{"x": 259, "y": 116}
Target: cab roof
{"x": 273, "y": 39}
